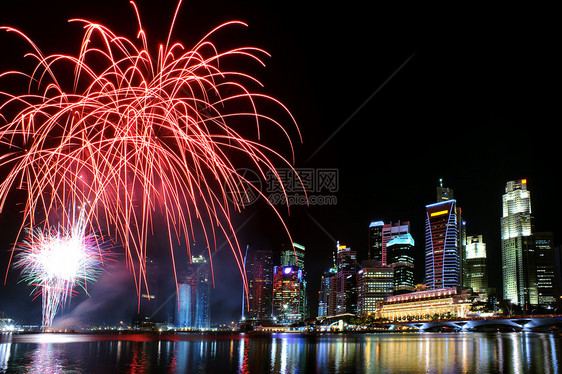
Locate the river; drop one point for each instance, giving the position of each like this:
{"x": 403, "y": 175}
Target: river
{"x": 515, "y": 352}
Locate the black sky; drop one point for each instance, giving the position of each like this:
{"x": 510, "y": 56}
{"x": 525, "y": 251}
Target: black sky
{"x": 472, "y": 99}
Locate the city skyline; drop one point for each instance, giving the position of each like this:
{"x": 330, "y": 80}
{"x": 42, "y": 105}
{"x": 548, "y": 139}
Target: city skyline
{"x": 477, "y": 89}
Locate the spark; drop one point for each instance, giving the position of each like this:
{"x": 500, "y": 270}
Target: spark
{"x": 139, "y": 138}
{"x": 56, "y": 261}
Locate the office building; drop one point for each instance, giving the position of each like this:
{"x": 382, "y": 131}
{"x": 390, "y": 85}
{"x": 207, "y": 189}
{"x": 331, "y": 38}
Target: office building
{"x": 260, "y": 285}
{"x": 374, "y": 248}
{"x": 374, "y": 284}
{"x": 295, "y": 257}
{"x": 287, "y": 283}
{"x": 194, "y": 289}
{"x": 442, "y": 252}
{"x": 390, "y": 231}
{"x": 546, "y": 269}
{"x": 476, "y": 269}
{"x": 401, "y": 260}
{"x": 346, "y": 289}
{"x": 326, "y": 295}
{"x": 519, "y": 272}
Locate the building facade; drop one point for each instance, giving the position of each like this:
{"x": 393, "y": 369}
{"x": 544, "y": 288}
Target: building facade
{"x": 546, "y": 269}
{"x": 517, "y": 246}
{"x": 260, "y": 284}
{"x": 287, "y": 283}
{"x": 194, "y": 289}
{"x": 442, "y": 245}
{"x": 401, "y": 260}
{"x": 374, "y": 284}
{"x": 346, "y": 280}
{"x": 374, "y": 248}
{"x": 390, "y": 231}
{"x": 450, "y": 302}
{"x": 476, "y": 269}
{"x": 326, "y": 295}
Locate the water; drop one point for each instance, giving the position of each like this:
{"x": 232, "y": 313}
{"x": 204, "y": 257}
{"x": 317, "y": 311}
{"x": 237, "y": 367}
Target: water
{"x": 282, "y": 353}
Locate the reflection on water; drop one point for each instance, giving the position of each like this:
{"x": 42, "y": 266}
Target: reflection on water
{"x": 282, "y": 353}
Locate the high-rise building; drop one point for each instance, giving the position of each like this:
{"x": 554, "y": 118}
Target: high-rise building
{"x": 346, "y": 290}
{"x": 287, "y": 283}
{"x": 519, "y": 271}
{"x": 194, "y": 288}
{"x": 390, "y": 231}
{"x": 374, "y": 284}
{"x": 476, "y": 269}
{"x": 401, "y": 259}
{"x": 546, "y": 268}
{"x": 294, "y": 257}
{"x": 442, "y": 252}
{"x": 149, "y": 295}
{"x": 260, "y": 284}
{"x": 326, "y": 294}
{"x": 374, "y": 248}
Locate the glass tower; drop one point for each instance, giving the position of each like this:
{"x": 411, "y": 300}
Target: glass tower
{"x": 517, "y": 245}
{"x": 476, "y": 271}
{"x": 442, "y": 245}
{"x": 401, "y": 259}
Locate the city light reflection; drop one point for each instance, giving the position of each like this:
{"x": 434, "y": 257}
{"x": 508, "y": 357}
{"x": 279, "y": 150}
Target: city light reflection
{"x": 284, "y": 353}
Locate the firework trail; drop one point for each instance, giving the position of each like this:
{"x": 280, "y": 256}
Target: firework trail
{"x": 57, "y": 260}
{"x": 135, "y": 137}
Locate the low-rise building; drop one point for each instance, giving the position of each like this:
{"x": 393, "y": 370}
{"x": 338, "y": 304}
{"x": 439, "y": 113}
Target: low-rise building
{"x": 445, "y": 302}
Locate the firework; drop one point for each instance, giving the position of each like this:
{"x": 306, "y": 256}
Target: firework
{"x": 135, "y": 137}
{"x": 56, "y": 261}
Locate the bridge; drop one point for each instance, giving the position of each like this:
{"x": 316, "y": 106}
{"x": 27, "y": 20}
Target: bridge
{"x": 500, "y": 323}
{"x": 551, "y": 322}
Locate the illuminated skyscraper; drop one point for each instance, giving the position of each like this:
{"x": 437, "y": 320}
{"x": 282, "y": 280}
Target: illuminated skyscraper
{"x": 346, "y": 290}
{"x": 390, "y": 231}
{"x": 517, "y": 245}
{"x": 149, "y": 294}
{"x": 374, "y": 249}
{"x": 476, "y": 270}
{"x": 294, "y": 257}
{"x": 326, "y": 294}
{"x": 374, "y": 284}
{"x": 287, "y": 283}
{"x": 401, "y": 260}
{"x": 260, "y": 284}
{"x": 546, "y": 269}
{"x": 193, "y": 310}
{"x": 442, "y": 245}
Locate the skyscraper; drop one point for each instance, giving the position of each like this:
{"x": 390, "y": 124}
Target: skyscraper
{"x": 260, "y": 284}
{"x": 546, "y": 269}
{"x": 374, "y": 248}
{"x": 194, "y": 288}
{"x": 294, "y": 257}
{"x": 442, "y": 252}
{"x": 326, "y": 293}
{"x": 517, "y": 245}
{"x": 390, "y": 231}
{"x": 346, "y": 290}
{"x": 374, "y": 284}
{"x": 401, "y": 260}
{"x": 287, "y": 282}
{"x": 476, "y": 269}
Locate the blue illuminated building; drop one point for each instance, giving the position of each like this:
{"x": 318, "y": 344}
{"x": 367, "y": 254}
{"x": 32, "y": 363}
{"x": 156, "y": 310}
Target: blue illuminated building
{"x": 442, "y": 245}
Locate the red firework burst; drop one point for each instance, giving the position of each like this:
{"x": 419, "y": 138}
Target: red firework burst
{"x": 134, "y": 136}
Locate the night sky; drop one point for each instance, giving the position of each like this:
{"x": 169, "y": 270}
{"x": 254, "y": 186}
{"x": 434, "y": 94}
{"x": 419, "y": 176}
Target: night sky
{"x": 393, "y": 98}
